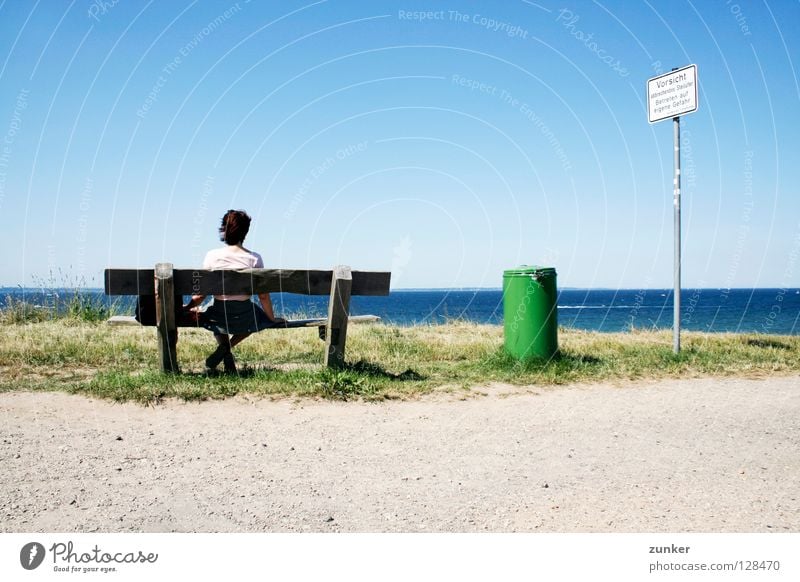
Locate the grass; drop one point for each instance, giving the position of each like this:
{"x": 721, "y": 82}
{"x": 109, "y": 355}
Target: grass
{"x": 67, "y": 298}
{"x": 120, "y": 363}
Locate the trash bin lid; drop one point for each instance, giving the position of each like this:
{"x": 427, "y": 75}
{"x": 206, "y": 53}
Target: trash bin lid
{"x": 528, "y": 270}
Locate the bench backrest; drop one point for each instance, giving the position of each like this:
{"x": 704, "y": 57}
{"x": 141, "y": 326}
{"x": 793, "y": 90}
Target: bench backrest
{"x": 160, "y": 289}
{"x": 243, "y": 282}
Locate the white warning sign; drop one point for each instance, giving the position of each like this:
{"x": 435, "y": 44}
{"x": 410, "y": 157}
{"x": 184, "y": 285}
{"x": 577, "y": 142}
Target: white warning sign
{"x": 672, "y": 94}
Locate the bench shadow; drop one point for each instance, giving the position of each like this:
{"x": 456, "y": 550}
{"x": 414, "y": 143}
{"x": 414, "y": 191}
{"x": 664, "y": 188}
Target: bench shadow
{"x": 768, "y": 343}
{"x": 250, "y": 371}
{"x": 245, "y": 371}
{"x": 573, "y": 359}
{"x": 559, "y": 363}
{"x": 361, "y": 367}
{"x": 378, "y": 371}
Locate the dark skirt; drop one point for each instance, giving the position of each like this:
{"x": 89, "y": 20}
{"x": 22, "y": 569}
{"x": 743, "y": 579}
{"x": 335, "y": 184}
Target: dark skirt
{"x": 234, "y": 317}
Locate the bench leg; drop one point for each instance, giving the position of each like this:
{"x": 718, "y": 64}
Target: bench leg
{"x": 165, "y": 317}
{"x": 338, "y": 311}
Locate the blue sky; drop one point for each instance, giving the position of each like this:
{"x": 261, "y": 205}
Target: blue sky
{"x": 445, "y": 146}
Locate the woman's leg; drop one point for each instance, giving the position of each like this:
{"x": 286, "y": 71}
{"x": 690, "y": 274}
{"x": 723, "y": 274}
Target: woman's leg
{"x": 228, "y": 360}
{"x": 237, "y": 339}
{"x": 223, "y": 350}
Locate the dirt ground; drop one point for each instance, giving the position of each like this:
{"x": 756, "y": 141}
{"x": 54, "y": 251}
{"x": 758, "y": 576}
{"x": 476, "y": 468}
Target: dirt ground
{"x": 700, "y": 455}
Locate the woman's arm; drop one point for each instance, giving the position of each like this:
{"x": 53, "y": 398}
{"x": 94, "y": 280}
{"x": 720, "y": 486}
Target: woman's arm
{"x": 195, "y": 301}
{"x": 189, "y": 307}
{"x": 266, "y": 305}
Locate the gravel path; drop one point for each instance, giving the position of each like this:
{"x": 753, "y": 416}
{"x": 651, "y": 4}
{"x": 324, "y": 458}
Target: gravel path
{"x": 690, "y": 455}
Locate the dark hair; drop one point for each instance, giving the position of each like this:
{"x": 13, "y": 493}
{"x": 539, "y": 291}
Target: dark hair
{"x": 235, "y": 225}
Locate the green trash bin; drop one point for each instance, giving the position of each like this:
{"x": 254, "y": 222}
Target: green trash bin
{"x": 530, "y": 315}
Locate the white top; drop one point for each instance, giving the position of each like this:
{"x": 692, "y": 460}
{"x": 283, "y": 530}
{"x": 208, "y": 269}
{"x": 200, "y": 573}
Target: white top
{"x": 232, "y": 257}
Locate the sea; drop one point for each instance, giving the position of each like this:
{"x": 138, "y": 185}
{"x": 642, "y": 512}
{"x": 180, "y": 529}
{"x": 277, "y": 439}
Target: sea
{"x": 767, "y": 311}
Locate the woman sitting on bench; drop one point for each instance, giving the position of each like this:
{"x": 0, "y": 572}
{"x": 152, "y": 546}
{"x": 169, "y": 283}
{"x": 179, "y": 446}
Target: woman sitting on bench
{"x": 232, "y": 317}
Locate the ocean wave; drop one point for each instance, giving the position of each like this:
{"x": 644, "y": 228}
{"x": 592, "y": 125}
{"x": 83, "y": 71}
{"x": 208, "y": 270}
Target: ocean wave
{"x": 601, "y": 306}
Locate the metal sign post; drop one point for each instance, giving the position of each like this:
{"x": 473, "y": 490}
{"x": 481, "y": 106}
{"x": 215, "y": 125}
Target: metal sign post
{"x": 676, "y": 203}
{"x": 670, "y": 96}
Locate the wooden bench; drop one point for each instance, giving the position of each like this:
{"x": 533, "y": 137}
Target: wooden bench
{"x": 164, "y": 288}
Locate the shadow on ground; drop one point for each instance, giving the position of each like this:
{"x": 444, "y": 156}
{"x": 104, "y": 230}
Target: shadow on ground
{"x": 768, "y": 343}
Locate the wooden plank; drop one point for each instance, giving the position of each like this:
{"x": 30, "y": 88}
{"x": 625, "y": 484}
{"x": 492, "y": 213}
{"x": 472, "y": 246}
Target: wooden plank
{"x": 374, "y": 283}
{"x": 129, "y": 282}
{"x": 338, "y": 310}
{"x": 129, "y": 320}
{"x": 252, "y": 281}
{"x": 122, "y": 320}
{"x": 323, "y": 321}
{"x": 246, "y": 281}
{"x": 165, "y": 317}
{"x": 363, "y": 318}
